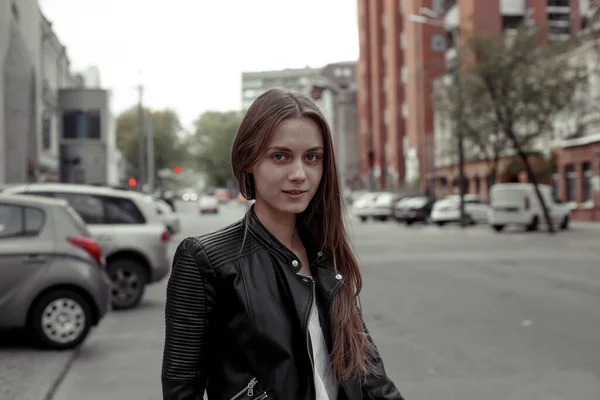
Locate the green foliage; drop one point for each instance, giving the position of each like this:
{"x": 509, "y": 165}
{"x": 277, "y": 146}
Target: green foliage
{"x": 211, "y": 145}
{"x": 169, "y": 150}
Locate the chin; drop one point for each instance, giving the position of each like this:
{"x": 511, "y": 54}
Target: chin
{"x": 292, "y": 208}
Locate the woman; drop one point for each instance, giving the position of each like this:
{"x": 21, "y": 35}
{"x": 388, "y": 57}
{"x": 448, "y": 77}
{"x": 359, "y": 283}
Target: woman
{"x": 267, "y": 307}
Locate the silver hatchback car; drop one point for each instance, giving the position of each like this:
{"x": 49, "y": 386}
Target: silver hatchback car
{"x": 134, "y": 238}
{"x": 52, "y": 276}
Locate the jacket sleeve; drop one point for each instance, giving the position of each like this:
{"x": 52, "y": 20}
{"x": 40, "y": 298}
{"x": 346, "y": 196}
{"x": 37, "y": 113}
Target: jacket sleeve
{"x": 377, "y": 385}
{"x": 189, "y": 307}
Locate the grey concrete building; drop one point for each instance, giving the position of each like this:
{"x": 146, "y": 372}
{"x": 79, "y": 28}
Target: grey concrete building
{"x": 334, "y": 91}
{"x": 85, "y": 124}
{"x": 19, "y": 88}
{"x": 34, "y": 66}
{"x": 56, "y": 74}
{"x": 256, "y": 83}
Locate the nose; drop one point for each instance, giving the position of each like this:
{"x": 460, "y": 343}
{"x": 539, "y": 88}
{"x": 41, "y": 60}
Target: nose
{"x": 297, "y": 172}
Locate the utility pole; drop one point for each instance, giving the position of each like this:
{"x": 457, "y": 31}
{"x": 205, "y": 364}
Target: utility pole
{"x": 141, "y": 140}
{"x": 150, "y": 160}
{"x": 460, "y": 136}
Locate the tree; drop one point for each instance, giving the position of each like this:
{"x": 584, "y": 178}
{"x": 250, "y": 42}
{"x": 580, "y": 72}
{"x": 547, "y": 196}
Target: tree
{"x": 169, "y": 150}
{"x": 519, "y": 86}
{"x": 211, "y": 145}
{"x": 482, "y": 137}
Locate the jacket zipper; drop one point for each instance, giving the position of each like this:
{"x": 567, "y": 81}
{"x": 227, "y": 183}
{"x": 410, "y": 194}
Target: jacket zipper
{"x": 248, "y": 390}
{"x": 307, "y": 322}
{"x": 310, "y": 311}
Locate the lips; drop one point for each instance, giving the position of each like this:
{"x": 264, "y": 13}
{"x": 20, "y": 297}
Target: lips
{"x": 294, "y": 192}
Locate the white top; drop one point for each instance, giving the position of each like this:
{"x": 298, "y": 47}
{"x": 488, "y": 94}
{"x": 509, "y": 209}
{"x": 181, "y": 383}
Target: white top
{"x": 325, "y": 386}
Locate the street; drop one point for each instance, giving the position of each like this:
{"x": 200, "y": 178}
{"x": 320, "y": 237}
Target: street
{"x": 456, "y": 314}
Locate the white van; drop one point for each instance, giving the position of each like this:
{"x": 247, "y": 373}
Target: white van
{"x": 517, "y": 204}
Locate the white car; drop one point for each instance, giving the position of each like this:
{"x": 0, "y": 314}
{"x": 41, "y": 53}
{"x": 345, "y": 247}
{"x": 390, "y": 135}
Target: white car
{"x": 364, "y": 205}
{"x": 447, "y": 210}
{"x": 170, "y": 218}
{"x": 517, "y": 204}
{"x": 208, "y": 205}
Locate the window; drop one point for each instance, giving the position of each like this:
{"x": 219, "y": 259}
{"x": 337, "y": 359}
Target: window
{"x": 587, "y": 181}
{"x": 510, "y": 22}
{"x": 122, "y": 211}
{"x": 81, "y": 125}
{"x": 90, "y": 208}
{"x": 11, "y": 221}
{"x": 34, "y": 220}
{"x": 570, "y": 182}
{"x": 46, "y": 132}
{"x": 20, "y": 221}
{"x": 438, "y": 6}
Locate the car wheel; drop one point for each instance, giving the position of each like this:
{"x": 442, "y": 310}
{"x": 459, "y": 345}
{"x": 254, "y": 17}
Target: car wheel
{"x": 129, "y": 283}
{"x": 498, "y": 228}
{"x": 61, "y": 320}
{"x": 534, "y": 225}
{"x": 565, "y": 224}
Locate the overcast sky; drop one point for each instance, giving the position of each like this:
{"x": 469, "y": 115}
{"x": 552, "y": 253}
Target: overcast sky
{"x": 192, "y": 52}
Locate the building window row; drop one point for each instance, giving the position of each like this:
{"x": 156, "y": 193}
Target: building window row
{"x": 571, "y": 179}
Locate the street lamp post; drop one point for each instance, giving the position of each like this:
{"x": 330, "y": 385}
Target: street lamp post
{"x": 432, "y": 18}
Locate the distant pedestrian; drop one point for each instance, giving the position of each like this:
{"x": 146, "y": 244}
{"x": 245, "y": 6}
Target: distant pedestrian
{"x": 267, "y": 308}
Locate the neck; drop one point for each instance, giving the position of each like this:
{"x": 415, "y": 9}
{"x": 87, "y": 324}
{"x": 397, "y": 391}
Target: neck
{"x": 281, "y": 225}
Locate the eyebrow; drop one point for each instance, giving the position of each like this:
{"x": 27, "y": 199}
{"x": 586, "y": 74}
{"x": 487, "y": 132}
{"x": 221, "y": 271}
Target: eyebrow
{"x": 282, "y": 148}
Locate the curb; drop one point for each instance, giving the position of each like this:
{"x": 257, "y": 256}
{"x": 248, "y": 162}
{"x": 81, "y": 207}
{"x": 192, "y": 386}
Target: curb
{"x": 61, "y": 377}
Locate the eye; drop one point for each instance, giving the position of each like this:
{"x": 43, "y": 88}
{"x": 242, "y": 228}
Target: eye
{"x": 279, "y": 157}
{"x": 313, "y": 157}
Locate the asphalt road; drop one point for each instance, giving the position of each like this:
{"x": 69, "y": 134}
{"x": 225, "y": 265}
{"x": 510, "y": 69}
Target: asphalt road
{"x": 457, "y": 314}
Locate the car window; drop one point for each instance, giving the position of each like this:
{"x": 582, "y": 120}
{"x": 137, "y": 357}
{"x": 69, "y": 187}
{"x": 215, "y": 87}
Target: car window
{"x": 20, "y": 221}
{"x": 90, "y": 208}
{"x": 77, "y": 219}
{"x": 11, "y": 220}
{"x": 122, "y": 211}
{"x": 34, "y": 220}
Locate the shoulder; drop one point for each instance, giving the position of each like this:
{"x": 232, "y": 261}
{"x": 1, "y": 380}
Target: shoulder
{"x": 220, "y": 247}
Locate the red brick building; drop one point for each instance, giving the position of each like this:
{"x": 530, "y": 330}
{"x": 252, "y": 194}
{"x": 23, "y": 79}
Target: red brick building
{"x": 400, "y": 57}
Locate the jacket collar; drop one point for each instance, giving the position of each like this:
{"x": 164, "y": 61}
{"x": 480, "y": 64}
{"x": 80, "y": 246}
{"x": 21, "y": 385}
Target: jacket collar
{"x": 315, "y": 251}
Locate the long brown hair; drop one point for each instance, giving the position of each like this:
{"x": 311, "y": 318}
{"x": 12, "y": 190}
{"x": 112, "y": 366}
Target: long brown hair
{"x": 352, "y": 352}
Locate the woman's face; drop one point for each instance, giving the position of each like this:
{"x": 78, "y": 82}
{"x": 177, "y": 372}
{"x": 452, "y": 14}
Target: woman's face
{"x": 288, "y": 174}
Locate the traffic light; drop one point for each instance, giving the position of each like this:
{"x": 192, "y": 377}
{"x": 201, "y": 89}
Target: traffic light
{"x": 132, "y": 182}
{"x": 177, "y": 169}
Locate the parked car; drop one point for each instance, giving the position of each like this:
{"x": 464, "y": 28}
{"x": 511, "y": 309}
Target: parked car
{"x": 518, "y": 204}
{"x": 208, "y": 205}
{"x": 364, "y": 205}
{"x": 53, "y": 280}
{"x": 413, "y": 209}
{"x": 168, "y": 216}
{"x": 447, "y": 210}
{"x": 125, "y": 223}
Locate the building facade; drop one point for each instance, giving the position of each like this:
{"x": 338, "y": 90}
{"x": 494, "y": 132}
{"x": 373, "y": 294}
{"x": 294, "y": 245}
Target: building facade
{"x": 335, "y": 94}
{"x": 572, "y": 149}
{"x": 55, "y": 73}
{"x": 256, "y": 83}
{"x": 404, "y": 46}
{"x": 20, "y": 107}
{"x": 34, "y": 66}
{"x": 576, "y": 174}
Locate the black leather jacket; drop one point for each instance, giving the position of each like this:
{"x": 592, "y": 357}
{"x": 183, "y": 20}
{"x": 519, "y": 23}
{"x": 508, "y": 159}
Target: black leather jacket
{"x": 236, "y": 320}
